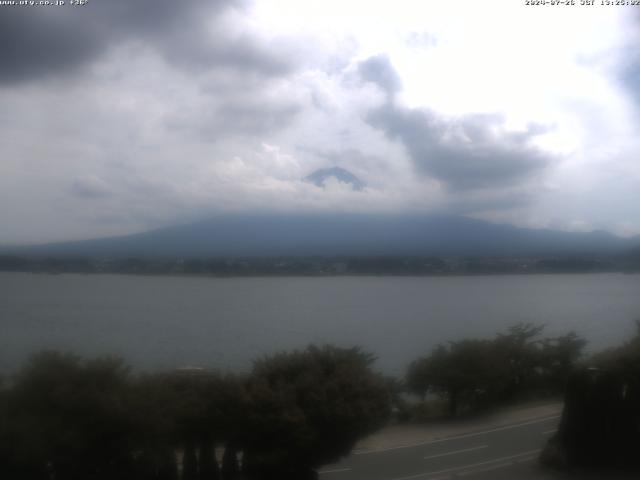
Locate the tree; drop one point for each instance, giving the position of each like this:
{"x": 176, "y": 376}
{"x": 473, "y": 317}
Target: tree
{"x": 417, "y": 379}
{"x": 475, "y": 373}
{"x": 520, "y": 352}
{"x": 69, "y": 419}
{"x": 600, "y": 421}
{"x": 466, "y": 372}
{"x": 309, "y": 408}
{"x": 191, "y": 411}
{"x": 559, "y": 356}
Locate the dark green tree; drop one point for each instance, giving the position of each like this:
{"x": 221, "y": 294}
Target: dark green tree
{"x": 559, "y": 357}
{"x": 192, "y": 411}
{"x": 600, "y": 425}
{"x": 309, "y": 408}
{"x": 519, "y": 350}
{"x": 476, "y": 373}
{"x": 69, "y": 419}
{"x": 466, "y": 372}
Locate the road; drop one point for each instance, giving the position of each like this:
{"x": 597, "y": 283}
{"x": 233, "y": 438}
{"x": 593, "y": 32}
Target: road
{"x": 505, "y": 452}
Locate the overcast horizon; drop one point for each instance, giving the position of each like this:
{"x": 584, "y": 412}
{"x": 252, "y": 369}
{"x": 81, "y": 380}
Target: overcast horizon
{"x": 118, "y": 117}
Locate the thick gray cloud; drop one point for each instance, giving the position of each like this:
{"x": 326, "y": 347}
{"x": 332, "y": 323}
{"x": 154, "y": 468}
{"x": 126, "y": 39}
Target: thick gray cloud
{"x": 631, "y": 69}
{"x": 474, "y": 151}
{"x": 380, "y": 71}
{"x": 35, "y": 42}
{"x": 470, "y": 152}
{"x": 224, "y": 119}
{"x": 630, "y": 76}
{"x": 252, "y": 118}
{"x": 90, "y": 188}
{"x": 126, "y": 115}
{"x": 40, "y": 41}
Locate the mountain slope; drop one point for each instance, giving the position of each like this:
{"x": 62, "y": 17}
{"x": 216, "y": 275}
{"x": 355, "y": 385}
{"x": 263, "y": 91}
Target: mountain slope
{"x": 328, "y": 235}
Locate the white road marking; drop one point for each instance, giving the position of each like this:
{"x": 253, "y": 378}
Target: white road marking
{"x": 500, "y": 461}
{"x": 457, "y": 437}
{"x": 496, "y": 467}
{"x": 547, "y": 432}
{"x": 456, "y": 451}
{"x": 484, "y": 469}
{"x": 335, "y": 470}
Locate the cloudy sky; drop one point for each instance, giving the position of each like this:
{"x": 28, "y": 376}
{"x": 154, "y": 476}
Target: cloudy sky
{"x": 120, "y": 116}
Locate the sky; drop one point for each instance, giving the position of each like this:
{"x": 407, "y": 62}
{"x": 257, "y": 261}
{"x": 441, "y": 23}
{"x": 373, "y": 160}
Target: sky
{"x": 121, "y": 116}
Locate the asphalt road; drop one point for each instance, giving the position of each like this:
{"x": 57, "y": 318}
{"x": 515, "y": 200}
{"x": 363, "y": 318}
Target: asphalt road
{"x": 507, "y": 452}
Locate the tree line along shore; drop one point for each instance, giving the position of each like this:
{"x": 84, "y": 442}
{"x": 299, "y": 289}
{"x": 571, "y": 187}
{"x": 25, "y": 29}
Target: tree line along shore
{"x": 324, "y": 266}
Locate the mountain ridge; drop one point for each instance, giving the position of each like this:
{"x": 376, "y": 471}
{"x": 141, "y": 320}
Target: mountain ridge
{"x": 334, "y": 235}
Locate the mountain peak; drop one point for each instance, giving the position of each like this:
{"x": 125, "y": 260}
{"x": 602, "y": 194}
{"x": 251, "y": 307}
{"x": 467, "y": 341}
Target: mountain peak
{"x": 320, "y": 176}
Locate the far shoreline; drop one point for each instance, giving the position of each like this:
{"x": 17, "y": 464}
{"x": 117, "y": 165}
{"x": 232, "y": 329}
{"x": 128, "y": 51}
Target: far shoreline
{"x": 327, "y": 275}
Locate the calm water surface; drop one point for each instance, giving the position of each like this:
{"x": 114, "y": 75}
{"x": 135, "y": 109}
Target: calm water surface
{"x": 175, "y": 321}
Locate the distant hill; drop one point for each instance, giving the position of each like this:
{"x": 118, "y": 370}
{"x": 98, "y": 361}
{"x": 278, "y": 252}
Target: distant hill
{"x": 331, "y": 235}
{"x": 320, "y": 177}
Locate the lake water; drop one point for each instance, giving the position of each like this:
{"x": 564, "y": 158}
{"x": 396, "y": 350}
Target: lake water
{"x": 225, "y": 323}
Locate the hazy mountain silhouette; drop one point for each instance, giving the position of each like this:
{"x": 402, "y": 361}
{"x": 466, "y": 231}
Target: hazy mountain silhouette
{"x": 319, "y": 177}
{"x": 346, "y": 234}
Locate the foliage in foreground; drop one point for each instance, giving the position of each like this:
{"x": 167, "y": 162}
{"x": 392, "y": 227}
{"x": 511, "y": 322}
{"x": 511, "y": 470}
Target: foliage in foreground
{"x": 67, "y": 418}
{"x": 600, "y": 425}
{"x": 309, "y": 408}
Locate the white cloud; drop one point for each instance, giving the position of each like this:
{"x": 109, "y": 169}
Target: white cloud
{"x": 132, "y": 137}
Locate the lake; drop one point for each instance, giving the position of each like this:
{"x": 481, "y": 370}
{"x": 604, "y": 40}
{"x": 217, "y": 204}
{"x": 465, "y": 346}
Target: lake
{"x": 166, "y": 322}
